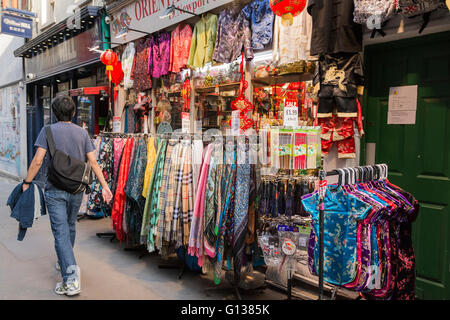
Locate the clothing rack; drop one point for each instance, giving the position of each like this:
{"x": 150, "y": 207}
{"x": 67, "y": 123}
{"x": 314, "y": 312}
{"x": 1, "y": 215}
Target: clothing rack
{"x": 322, "y": 175}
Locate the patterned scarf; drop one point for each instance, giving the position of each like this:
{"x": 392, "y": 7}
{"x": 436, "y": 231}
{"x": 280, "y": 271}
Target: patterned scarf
{"x": 240, "y": 214}
{"x": 211, "y": 209}
{"x": 227, "y": 195}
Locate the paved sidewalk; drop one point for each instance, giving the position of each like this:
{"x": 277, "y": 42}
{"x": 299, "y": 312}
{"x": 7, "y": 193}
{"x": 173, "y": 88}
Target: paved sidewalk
{"x": 27, "y": 268}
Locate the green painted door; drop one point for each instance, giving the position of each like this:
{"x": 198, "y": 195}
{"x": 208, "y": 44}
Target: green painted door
{"x": 418, "y": 155}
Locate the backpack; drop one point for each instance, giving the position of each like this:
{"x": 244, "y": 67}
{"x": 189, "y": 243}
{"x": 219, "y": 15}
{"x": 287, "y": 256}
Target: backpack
{"x": 374, "y": 13}
{"x": 413, "y": 8}
{"x": 65, "y": 172}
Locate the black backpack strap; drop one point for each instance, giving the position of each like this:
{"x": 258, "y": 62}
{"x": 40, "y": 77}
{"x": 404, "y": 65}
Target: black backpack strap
{"x": 426, "y": 19}
{"x": 50, "y": 141}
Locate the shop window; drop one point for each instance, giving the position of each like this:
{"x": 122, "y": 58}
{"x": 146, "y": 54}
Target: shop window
{"x": 46, "y": 103}
{"x": 47, "y": 13}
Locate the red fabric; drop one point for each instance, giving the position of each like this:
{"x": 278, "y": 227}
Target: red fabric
{"x": 360, "y": 123}
{"x": 119, "y": 198}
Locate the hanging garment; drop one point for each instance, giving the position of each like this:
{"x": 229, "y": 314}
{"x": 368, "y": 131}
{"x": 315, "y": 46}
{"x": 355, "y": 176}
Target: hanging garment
{"x": 119, "y": 197}
{"x": 339, "y": 76}
{"x": 163, "y": 194}
{"x": 106, "y": 160}
{"x": 127, "y": 65}
{"x": 180, "y": 45}
{"x": 227, "y": 208}
{"x": 340, "y": 238}
{"x": 139, "y": 73}
{"x": 148, "y": 232}
{"x": 203, "y": 41}
{"x": 151, "y": 158}
{"x": 211, "y": 208}
{"x": 196, "y": 232}
{"x": 260, "y": 17}
{"x": 241, "y": 210}
{"x": 382, "y": 272}
{"x": 171, "y": 196}
{"x": 133, "y": 190}
{"x": 233, "y": 36}
{"x": 291, "y": 43}
{"x": 188, "y": 197}
{"x": 197, "y": 160}
{"x": 333, "y": 28}
{"x": 177, "y": 208}
{"x": 159, "y": 63}
{"x": 118, "y": 149}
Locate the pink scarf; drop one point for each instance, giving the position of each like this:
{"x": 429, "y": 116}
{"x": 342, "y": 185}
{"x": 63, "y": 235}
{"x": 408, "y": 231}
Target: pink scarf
{"x": 196, "y": 233}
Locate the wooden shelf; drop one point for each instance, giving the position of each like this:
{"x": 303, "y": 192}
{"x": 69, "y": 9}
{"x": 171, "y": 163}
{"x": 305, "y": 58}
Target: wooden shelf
{"x": 286, "y": 78}
{"x": 222, "y": 87}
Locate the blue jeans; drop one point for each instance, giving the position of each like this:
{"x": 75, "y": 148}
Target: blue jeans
{"x": 63, "y": 209}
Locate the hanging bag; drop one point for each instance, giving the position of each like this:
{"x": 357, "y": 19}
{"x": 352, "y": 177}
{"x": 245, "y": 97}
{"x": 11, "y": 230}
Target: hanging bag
{"x": 413, "y": 8}
{"x": 374, "y": 12}
{"x": 65, "y": 172}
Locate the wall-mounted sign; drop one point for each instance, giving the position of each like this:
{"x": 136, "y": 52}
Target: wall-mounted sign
{"x": 16, "y": 26}
{"x": 145, "y": 15}
{"x": 402, "y": 105}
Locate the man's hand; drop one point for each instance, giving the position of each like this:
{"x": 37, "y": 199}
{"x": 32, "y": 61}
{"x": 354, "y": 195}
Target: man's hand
{"x": 25, "y": 187}
{"x": 107, "y": 194}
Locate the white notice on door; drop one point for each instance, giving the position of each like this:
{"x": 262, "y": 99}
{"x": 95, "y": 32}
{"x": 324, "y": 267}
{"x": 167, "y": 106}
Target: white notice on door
{"x": 402, "y": 105}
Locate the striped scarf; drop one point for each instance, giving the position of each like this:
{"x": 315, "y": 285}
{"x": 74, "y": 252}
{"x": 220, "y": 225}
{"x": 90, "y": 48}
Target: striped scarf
{"x": 188, "y": 201}
{"x": 153, "y": 206}
{"x": 163, "y": 194}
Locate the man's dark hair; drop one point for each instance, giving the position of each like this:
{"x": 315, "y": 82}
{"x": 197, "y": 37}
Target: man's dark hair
{"x": 63, "y": 108}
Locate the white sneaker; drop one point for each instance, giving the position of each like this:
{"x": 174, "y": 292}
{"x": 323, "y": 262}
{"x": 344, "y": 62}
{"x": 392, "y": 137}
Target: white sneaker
{"x": 73, "y": 288}
{"x": 60, "y": 289}
{"x": 69, "y": 289}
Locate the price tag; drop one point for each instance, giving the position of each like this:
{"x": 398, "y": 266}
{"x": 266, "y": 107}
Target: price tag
{"x": 290, "y": 117}
{"x": 185, "y": 122}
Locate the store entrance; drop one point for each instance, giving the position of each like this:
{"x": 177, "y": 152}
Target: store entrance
{"x": 418, "y": 155}
{"x": 92, "y": 107}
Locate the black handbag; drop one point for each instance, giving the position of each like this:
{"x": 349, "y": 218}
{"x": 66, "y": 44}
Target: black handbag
{"x": 65, "y": 172}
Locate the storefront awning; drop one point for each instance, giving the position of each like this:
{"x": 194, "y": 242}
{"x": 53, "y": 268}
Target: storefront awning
{"x": 58, "y": 33}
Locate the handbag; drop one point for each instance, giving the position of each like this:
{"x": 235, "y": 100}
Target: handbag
{"x": 66, "y": 172}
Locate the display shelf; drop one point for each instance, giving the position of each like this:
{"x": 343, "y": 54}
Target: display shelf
{"x": 222, "y": 87}
{"x": 287, "y": 78}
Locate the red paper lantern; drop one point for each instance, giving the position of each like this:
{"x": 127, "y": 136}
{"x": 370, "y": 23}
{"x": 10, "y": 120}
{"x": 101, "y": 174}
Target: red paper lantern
{"x": 110, "y": 59}
{"x": 287, "y": 9}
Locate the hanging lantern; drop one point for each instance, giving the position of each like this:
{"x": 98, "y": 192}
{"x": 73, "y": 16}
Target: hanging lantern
{"x": 287, "y": 9}
{"x": 109, "y": 58}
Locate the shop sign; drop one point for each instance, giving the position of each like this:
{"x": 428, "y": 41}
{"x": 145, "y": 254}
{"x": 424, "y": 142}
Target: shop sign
{"x": 290, "y": 117}
{"x": 16, "y": 26}
{"x": 66, "y": 55}
{"x": 145, "y": 15}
